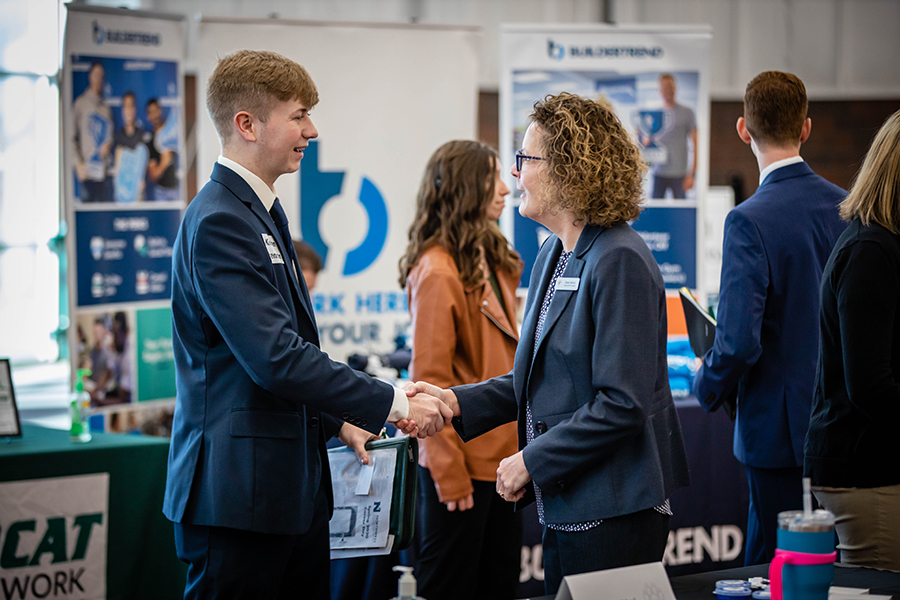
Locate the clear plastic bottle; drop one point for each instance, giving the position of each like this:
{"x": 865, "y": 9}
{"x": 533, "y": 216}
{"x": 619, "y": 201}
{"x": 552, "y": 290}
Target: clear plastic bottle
{"x": 79, "y": 409}
{"x": 406, "y": 587}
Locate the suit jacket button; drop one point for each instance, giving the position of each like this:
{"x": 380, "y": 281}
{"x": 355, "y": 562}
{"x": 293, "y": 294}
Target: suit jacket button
{"x": 561, "y": 484}
{"x": 345, "y": 416}
{"x": 363, "y": 423}
{"x": 314, "y": 422}
{"x": 540, "y": 427}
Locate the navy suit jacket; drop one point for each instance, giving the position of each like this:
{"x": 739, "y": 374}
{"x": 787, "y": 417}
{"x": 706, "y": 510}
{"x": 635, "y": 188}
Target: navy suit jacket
{"x": 776, "y": 245}
{"x": 255, "y": 394}
{"x": 607, "y": 436}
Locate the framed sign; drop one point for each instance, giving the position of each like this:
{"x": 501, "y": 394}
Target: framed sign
{"x": 9, "y": 414}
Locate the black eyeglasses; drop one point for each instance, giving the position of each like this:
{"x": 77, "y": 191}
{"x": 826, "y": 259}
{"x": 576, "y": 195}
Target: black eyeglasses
{"x": 520, "y": 156}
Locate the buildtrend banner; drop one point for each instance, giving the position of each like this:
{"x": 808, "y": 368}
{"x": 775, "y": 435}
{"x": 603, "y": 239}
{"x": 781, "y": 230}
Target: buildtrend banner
{"x": 657, "y": 81}
{"x": 124, "y": 193}
{"x": 389, "y": 95}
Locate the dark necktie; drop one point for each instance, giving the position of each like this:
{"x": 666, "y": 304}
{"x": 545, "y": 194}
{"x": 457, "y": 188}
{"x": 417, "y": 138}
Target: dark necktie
{"x": 281, "y": 222}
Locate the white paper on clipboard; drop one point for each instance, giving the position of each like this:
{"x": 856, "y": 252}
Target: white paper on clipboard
{"x": 361, "y": 521}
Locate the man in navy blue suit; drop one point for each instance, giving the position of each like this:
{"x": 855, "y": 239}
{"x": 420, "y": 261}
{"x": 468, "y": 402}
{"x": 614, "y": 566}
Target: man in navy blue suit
{"x": 776, "y": 245}
{"x": 248, "y": 486}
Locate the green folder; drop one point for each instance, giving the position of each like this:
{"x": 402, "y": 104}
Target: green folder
{"x": 406, "y": 485}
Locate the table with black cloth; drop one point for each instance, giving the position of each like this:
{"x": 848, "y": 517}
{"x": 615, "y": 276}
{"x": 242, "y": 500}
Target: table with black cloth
{"x": 141, "y": 561}
{"x": 700, "y": 586}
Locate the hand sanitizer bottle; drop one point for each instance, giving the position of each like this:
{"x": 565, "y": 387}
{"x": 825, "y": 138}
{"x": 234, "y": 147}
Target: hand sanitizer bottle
{"x": 79, "y": 407}
{"x": 406, "y": 587}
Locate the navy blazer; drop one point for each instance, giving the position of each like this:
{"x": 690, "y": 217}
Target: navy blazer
{"x": 776, "y": 245}
{"x": 254, "y": 392}
{"x": 607, "y": 436}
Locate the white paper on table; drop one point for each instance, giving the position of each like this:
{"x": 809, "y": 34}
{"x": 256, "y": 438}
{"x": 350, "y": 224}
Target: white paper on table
{"x": 361, "y": 521}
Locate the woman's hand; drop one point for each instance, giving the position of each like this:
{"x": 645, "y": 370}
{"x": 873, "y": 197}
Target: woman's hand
{"x": 463, "y": 504}
{"x": 512, "y": 475}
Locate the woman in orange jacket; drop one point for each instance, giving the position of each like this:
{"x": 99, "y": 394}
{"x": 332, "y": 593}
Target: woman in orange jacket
{"x": 461, "y": 278}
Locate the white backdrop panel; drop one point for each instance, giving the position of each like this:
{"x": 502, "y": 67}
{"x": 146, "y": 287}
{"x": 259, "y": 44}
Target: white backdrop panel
{"x": 389, "y": 96}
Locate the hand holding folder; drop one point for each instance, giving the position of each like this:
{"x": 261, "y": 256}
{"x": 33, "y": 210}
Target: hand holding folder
{"x": 404, "y": 486}
{"x": 701, "y": 328}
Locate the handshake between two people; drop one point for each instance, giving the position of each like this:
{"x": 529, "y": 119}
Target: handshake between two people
{"x": 425, "y": 419}
{"x": 430, "y": 409}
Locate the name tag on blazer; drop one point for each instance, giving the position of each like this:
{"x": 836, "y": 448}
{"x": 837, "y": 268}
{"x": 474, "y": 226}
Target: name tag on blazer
{"x": 567, "y": 284}
{"x": 272, "y": 247}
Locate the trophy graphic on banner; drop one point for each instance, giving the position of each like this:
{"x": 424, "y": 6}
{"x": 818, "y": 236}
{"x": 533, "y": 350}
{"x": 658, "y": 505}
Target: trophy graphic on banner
{"x": 100, "y": 130}
{"x": 650, "y": 124}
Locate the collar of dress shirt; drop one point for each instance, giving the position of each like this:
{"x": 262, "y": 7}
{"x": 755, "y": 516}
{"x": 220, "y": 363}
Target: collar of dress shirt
{"x": 265, "y": 193}
{"x": 777, "y": 165}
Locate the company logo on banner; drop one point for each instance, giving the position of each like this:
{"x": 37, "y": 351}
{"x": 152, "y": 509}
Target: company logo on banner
{"x": 54, "y": 537}
{"x": 316, "y": 189}
{"x": 118, "y": 36}
{"x": 558, "y": 51}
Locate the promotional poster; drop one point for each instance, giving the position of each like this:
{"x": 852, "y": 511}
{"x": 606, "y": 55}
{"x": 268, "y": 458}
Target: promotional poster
{"x": 389, "y": 96}
{"x": 657, "y": 81}
{"x": 124, "y": 193}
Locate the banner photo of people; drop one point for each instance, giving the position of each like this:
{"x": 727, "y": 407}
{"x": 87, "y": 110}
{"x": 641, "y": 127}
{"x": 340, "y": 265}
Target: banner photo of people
{"x": 124, "y": 193}
{"x": 657, "y": 81}
{"x": 125, "y": 143}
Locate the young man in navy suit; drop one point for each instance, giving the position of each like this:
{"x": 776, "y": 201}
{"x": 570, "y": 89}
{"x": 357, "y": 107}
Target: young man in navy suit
{"x": 248, "y": 486}
{"x": 776, "y": 245}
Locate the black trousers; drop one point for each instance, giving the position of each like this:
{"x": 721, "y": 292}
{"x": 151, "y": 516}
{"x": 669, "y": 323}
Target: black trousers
{"x": 471, "y": 554}
{"x": 771, "y": 492}
{"x": 621, "y": 541}
{"x": 226, "y": 563}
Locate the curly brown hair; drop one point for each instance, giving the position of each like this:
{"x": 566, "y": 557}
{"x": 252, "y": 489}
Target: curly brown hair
{"x": 457, "y": 186}
{"x": 595, "y": 168}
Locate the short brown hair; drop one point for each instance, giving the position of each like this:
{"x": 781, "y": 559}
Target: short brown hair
{"x": 593, "y": 164}
{"x": 254, "y": 81}
{"x": 307, "y": 256}
{"x": 775, "y": 108}
{"x": 875, "y": 195}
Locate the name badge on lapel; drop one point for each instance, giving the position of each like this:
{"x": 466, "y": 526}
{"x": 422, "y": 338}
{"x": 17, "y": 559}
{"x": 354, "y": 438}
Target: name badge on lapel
{"x": 567, "y": 284}
{"x": 272, "y": 247}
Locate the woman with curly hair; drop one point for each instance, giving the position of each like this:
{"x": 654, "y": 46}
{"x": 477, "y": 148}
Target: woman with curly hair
{"x": 601, "y": 443}
{"x": 461, "y": 278}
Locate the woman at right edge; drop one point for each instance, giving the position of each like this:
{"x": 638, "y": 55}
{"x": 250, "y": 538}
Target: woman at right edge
{"x": 851, "y": 453}
{"x": 601, "y": 445}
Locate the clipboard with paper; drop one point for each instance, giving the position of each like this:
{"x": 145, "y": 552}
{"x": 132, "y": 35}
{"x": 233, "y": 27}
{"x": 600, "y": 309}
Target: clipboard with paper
{"x": 375, "y": 504}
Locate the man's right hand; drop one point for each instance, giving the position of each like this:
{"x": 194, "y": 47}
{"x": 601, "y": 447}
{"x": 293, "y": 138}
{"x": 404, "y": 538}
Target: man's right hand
{"x": 428, "y": 413}
{"x": 446, "y": 396}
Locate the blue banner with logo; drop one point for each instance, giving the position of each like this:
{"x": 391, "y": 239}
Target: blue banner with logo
{"x": 671, "y": 234}
{"x": 127, "y": 256}
{"x": 123, "y": 193}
